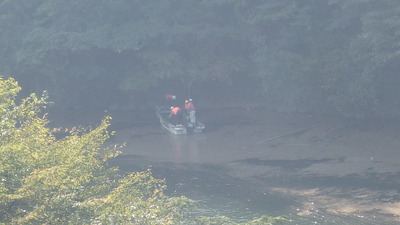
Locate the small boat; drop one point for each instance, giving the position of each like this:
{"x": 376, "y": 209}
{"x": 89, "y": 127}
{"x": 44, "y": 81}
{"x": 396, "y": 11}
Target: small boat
{"x": 185, "y": 128}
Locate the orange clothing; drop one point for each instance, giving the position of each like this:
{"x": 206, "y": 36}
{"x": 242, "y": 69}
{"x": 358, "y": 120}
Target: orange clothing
{"x": 175, "y": 110}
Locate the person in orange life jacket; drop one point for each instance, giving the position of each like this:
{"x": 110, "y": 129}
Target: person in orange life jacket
{"x": 176, "y": 115}
{"x": 190, "y": 110}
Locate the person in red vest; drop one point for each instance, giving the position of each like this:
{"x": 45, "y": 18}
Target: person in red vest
{"x": 176, "y": 115}
{"x": 190, "y": 110}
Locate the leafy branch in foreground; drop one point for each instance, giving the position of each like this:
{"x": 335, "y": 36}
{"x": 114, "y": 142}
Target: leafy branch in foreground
{"x": 68, "y": 181}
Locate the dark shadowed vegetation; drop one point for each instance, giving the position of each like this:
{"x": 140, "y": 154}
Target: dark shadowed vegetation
{"x": 336, "y": 56}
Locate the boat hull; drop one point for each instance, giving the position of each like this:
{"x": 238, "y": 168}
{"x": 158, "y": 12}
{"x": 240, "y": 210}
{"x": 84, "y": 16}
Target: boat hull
{"x": 178, "y": 129}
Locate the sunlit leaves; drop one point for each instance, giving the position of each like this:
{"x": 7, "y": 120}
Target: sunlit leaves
{"x": 67, "y": 181}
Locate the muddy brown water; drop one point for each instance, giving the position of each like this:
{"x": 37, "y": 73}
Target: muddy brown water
{"x": 250, "y": 162}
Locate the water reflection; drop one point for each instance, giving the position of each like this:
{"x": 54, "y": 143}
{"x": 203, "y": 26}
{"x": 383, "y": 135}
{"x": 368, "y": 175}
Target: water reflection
{"x": 186, "y": 148}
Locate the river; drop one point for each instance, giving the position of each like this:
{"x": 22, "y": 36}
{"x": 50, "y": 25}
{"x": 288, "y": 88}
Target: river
{"x": 250, "y": 162}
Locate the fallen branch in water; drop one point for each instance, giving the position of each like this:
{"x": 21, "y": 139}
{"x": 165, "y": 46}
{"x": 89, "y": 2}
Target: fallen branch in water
{"x": 286, "y": 135}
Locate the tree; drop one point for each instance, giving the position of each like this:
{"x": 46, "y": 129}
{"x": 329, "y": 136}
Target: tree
{"x": 86, "y": 48}
{"x": 67, "y": 181}
{"x": 326, "y": 56}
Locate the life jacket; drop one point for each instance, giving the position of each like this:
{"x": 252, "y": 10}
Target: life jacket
{"x": 189, "y": 106}
{"x": 175, "y": 110}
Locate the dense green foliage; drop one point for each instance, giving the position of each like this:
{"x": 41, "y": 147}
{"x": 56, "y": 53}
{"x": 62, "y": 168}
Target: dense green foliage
{"x": 44, "y": 180}
{"x": 337, "y": 56}
{"x": 67, "y": 181}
